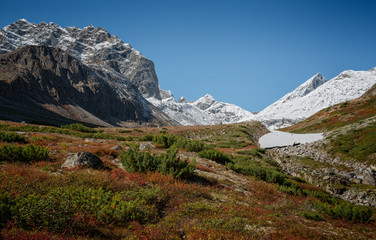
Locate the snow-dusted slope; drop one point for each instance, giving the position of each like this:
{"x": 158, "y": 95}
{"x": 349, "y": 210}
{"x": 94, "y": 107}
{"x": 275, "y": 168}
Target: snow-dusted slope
{"x": 93, "y": 46}
{"x": 316, "y": 94}
{"x": 204, "y": 111}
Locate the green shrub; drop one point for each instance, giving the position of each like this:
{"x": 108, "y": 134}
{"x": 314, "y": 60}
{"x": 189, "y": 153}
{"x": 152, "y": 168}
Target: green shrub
{"x": 136, "y": 161}
{"x": 124, "y": 131}
{"x": 79, "y": 127}
{"x": 232, "y": 144}
{"x": 358, "y": 144}
{"x": 6, "y": 205}
{"x": 215, "y": 155}
{"x": 164, "y": 140}
{"x": 77, "y": 208}
{"x": 189, "y": 145}
{"x": 345, "y": 210}
{"x": 256, "y": 152}
{"x": 168, "y": 164}
{"x": 12, "y": 137}
{"x": 312, "y": 216}
{"x": 146, "y": 137}
{"x": 11, "y": 153}
{"x": 172, "y": 165}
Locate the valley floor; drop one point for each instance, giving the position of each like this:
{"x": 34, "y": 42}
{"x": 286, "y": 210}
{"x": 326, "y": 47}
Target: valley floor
{"x": 236, "y": 191}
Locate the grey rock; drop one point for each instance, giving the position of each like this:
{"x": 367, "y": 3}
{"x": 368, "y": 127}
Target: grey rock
{"x": 83, "y": 160}
{"x": 146, "y": 146}
{"x": 117, "y": 147}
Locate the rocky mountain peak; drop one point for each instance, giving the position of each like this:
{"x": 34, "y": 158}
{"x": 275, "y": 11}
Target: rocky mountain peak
{"x": 182, "y": 100}
{"x": 166, "y": 94}
{"x": 307, "y": 87}
{"x": 205, "y": 102}
{"x": 93, "y": 46}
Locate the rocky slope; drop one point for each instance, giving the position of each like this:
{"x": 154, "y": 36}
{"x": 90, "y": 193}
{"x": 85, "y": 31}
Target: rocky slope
{"x": 316, "y": 94}
{"x": 344, "y": 162}
{"x": 50, "y": 81}
{"x": 93, "y": 46}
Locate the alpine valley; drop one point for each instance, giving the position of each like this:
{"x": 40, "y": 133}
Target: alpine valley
{"x": 92, "y": 148}
{"x": 106, "y": 62}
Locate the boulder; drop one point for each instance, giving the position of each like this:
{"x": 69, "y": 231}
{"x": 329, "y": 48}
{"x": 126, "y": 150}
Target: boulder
{"x": 117, "y": 147}
{"x": 83, "y": 160}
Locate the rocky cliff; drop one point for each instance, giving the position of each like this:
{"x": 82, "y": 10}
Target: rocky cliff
{"x": 51, "y": 80}
{"x": 93, "y": 46}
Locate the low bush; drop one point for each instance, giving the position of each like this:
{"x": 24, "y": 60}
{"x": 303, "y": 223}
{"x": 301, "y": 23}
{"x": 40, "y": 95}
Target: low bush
{"x": 11, "y": 153}
{"x": 12, "y": 137}
{"x": 6, "y": 205}
{"x": 345, "y": 210}
{"x": 190, "y": 145}
{"x": 164, "y": 140}
{"x": 215, "y": 155}
{"x": 146, "y": 137}
{"x": 256, "y": 152}
{"x": 167, "y": 164}
{"x": 232, "y": 144}
{"x": 78, "y": 209}
{"x": 79, "y": 127}
{"x": 315, "y": 216}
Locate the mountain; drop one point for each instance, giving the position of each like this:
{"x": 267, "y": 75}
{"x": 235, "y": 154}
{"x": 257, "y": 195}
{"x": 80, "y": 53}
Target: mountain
{"x": 121, "y": 75}
{"x": 339, "y": 115}
{"x": 93, "y": 46}
{"x": 99, "y": 51}
{"x": 204, "y": 111}
{"x": 316, "y": 94}
{"x": 50, "y": 82}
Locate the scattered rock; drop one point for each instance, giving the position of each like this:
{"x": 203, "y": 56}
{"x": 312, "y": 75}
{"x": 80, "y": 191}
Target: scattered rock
{"x": 83, "y": 160}
{"x": 146, "y": 146}
{"x": 117, "y": 147}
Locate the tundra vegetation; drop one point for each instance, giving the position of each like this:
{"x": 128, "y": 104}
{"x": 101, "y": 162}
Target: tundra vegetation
{"x": 194, "y": 182}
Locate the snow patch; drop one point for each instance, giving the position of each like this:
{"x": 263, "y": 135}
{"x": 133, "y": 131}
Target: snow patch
{"x": 283, "y": 139}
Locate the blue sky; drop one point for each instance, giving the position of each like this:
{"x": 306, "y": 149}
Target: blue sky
{"x": 249, "y": 53}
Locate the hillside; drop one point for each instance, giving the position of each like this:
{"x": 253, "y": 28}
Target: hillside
{"x": 218, "y": 185}
{"x": 339, "y": 115}
{"x": 344, "y": 162}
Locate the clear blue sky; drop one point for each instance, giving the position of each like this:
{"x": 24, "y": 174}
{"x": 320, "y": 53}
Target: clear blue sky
{"x": 249, "y": 53}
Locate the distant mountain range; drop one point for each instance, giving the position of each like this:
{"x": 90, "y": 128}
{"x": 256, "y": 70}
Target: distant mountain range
{"x": 54, "y": 74}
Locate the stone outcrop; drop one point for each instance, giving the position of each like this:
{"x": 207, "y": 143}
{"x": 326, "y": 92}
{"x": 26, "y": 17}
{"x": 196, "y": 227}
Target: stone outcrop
{"x": 338, "y": 177}
{"x": 83, "y": 160}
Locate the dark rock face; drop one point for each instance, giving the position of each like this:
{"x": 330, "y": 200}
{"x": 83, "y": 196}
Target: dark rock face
{"x": 49, "y": 79}
{"x": 83, "y": 160}
{"x": 93, "y": 46}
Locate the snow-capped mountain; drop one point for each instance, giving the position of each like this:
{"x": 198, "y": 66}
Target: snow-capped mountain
{"x": 204, "y": 111}
{"x": 93, "y": 46}
{"x": 100, "y": 59}
{"x": 316, "y": 94}
{"x": 96, "y": 48}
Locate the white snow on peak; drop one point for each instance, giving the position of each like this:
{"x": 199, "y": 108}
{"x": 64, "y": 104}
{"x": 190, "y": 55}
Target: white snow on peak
{"x": 316, "y": 94}
{"x": 204, "y": 111}
{"x": 93, "y": 46}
